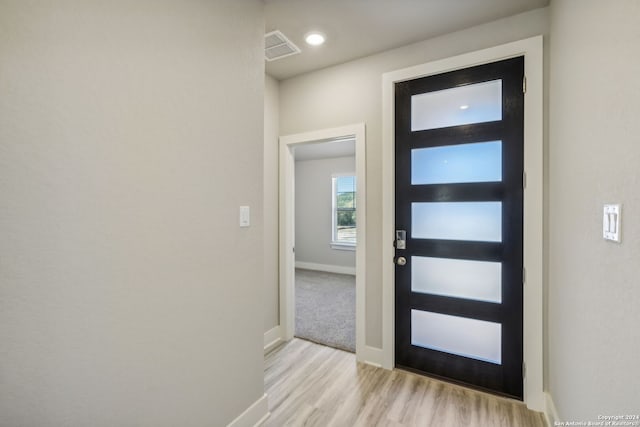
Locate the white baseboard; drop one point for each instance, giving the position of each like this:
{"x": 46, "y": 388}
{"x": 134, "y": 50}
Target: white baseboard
{"x": 254, "y": 415}
{"x": 371, "y": 356}
{"x": 272, "y": 338}
{"x": 338, "y": 269}
{"x": 550, "y": 411}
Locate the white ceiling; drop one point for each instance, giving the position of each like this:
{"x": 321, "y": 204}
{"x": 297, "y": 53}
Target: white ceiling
{"x": 358, "y": 28}
{"x": 325, "y": 150}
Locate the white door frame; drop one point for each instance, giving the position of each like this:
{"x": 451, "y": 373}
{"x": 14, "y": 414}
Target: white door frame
{"x": 287, "y": 225}
{"x": 533, "y": 200}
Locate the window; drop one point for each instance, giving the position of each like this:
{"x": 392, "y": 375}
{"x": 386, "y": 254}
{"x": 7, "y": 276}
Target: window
{"x": 344, "y": 212}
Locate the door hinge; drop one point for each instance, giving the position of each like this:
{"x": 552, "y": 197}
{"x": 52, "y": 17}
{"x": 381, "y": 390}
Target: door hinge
{"x": 524, "y": 179}
{"x": 524, "y": 370}
{"x": 524, "y": 84}
{"x": 524, "y": 275}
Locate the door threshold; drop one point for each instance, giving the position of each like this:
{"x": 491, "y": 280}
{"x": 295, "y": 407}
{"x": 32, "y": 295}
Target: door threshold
{"x": 458, "y": 383}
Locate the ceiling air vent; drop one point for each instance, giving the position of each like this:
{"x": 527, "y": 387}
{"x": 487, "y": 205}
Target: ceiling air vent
{"x": 277, "y": 46}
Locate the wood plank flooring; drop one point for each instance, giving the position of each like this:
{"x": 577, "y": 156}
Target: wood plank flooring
{"x": 313, "y": 385}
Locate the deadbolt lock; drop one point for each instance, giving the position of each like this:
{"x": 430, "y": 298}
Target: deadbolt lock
{"x": 401, "y": 260}
{"x": 401, "y": 239}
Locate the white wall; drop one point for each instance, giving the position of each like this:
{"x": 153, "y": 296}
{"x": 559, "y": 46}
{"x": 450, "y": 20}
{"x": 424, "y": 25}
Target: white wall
{"x": 351, "y": 93}
{"x": 314, "y": 211}
{"x": 270, "y": 184}
{"x": 130, "y": 132}
{"x": 594, "y": 292}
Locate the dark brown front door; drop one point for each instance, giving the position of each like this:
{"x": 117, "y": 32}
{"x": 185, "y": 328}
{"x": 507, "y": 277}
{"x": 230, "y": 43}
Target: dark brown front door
{"x": 459, "y": 201}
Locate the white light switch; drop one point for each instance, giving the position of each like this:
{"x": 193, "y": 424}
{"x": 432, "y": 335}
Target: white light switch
{"x": 611, "y": 222}
{"x": 245, "y": 216}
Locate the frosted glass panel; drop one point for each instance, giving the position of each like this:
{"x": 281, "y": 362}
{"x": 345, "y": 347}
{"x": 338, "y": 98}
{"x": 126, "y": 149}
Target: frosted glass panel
{"x": 463, "y": 105}
{"x": 478, "y": 162}
{"x": 477, "y": 339}
{"x": 476, "y": 280}
{"x": 477, "y": 221}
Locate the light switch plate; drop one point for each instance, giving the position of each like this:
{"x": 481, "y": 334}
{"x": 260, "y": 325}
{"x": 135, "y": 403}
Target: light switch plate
{"x": 245, "y": 216}
{"x": 611, "y": 219}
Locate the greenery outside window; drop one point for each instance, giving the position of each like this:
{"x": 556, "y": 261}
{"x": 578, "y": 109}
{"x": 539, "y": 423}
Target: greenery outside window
{"x": 344, "y": 212}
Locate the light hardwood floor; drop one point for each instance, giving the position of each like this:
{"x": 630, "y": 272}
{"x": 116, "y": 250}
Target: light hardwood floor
{"x": 313, "y": 385}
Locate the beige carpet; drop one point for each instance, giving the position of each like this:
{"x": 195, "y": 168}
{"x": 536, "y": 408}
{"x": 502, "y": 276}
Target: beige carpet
{"x": 326, "y": 308}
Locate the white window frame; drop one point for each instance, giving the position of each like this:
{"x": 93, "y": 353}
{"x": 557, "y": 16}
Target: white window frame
{"x": 335, "y": 243}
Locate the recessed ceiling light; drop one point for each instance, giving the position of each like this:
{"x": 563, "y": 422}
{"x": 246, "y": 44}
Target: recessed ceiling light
{"x": 314, "y": 39}
{"x": 464, "y": 107}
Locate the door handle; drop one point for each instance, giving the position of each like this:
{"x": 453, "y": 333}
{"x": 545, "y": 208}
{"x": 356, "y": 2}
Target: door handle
{"x": 401, "y": 260}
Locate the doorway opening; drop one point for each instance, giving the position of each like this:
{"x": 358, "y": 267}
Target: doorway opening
{"x": 325, "y": 242}
{"x": 322, "y": 236}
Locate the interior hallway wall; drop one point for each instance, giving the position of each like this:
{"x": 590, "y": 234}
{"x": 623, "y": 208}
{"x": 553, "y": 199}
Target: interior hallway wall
{"x": 594, "y": 292}
{"x": 130, "y": 133}
{"x": 352, "y": 92}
